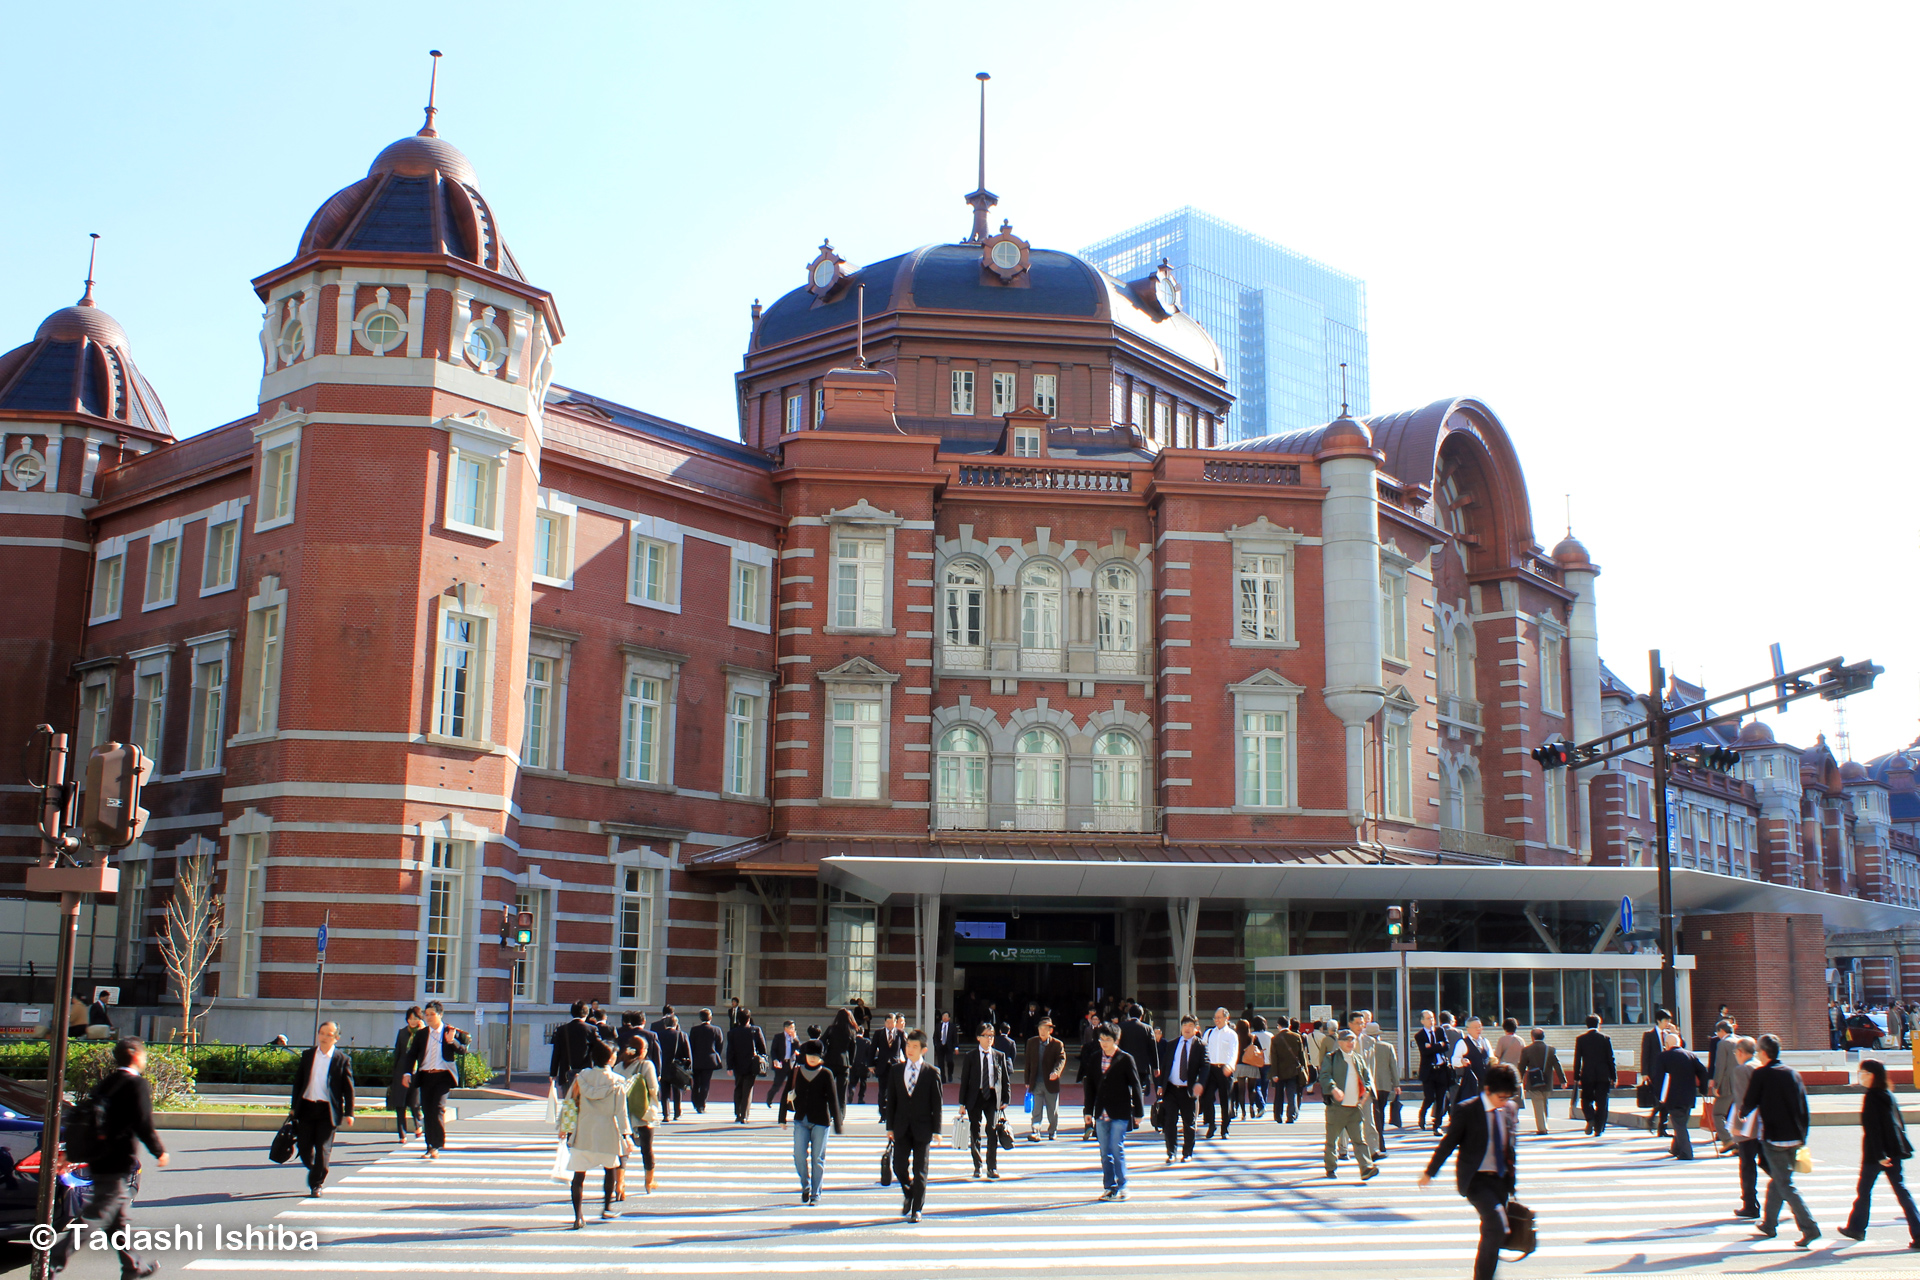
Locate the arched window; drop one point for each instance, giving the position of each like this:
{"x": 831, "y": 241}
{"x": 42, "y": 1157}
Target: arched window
{"x": 1115, "y": 605}
{"x": 1040, "y": 782}
{"x": 1116, "y": 782}
{"x": 960, "y": 770}
{"x": 1040, "y": 618}
{"x": 963, "y": 612}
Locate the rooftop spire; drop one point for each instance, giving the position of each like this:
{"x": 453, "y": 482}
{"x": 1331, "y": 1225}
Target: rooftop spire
{"x": 1343, "y": 388}
{"x": 433, "y": 83}
{"x": 981, "y": 199}
{"x": 86, "y": 299}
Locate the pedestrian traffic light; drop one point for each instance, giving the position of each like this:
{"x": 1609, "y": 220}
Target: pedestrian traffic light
{"x": 113, "y": 818}
{"x": 1413, "y": 921}
{"x": 1393, "y": 923}
{"x": 523, "y": 930}
{"x": 1554, "y": 755}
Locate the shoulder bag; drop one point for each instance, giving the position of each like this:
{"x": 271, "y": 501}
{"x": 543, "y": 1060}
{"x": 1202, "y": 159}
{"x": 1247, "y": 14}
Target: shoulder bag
{"x": 1521, "y": 1236}
{"x": 283, "y": 1142}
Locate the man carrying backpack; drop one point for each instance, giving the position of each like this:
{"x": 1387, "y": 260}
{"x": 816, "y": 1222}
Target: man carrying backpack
{"x": 118, "y": 1112}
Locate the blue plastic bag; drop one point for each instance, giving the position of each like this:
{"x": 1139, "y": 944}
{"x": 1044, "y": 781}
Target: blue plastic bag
{"x": 1029, "y": 1102}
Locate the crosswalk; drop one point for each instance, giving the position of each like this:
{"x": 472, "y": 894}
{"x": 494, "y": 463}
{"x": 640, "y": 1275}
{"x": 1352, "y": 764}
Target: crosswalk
{"x": 728, "y": 1204}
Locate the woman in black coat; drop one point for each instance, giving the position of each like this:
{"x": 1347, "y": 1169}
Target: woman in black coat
{"x": 838, "y": 1046}
{"x": 746, "y": 1048}
{"x": 400, "y": 1098}
{"x": 1883, "y": 1146}
{"x": 813, "y": 1096}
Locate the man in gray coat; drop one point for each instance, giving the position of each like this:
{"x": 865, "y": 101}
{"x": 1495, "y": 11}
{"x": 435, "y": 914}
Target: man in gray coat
{"x": 1743, "y": 1049}
{"x": 1725, "y": 1063}
{"x": 1385, "y": 1061}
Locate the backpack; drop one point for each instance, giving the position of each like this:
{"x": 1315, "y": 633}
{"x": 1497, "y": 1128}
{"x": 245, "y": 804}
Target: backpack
{"x": 85, "y": 1132}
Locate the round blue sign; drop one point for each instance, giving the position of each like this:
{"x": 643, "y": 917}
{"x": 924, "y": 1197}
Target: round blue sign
{"x": 1626, "y": 915}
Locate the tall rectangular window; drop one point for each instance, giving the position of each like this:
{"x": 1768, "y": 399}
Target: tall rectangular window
{"x": 264, "y": 666}
{"x": 249, "y": 877}
{"x": 819, "y": 407}
{"x": 1399, "y": 768}
{"x": 1119, "y": 407}
{"x": 96, "y": 722}
{"x": 149, "y": 714}
{"x": 1393, "y": 614}
{"x": 748, "y": 584}
{"x": 1263, "y": 601}
{"x": 135, "y": 880}
{"x": 107, "y": 577}
{"x": 634, "y": 961}
{"x": 652, "y": 572}
{"x": 163, "y": 572}
{"x": 859, "y": 568}
{"x": 734, "y": 928}
{"x": 223, "y": 556}
{"x": 742, "y": 720}
{"x": 856, "y": 750}
{"x": 1550, "y": 672}
{"x": 1003, "y": 390}
{"x": 1162, "y": 412}
{"x": 796, "y": 413}
{"x": 1139, "y": 415}
{"x": 472, "y": 500}
{"x": 277, "y": 479}
{"x": 460, "y": 657}
{"x": 1263, "y": 759}
{"x": 550, "y": 545}
{"x": 640, "y": 730}
{"x": 206, "y": 716}
{"x": 1633, "y": 798}
{"x": 960, "y": 397}
{"x": 1556, "y": 809}
{"x": 1046, "y": 393}
{"x": 536, "y": 748}
{"x": 1183, "y": 429}
{"x": 852, "y": 952}
{"x": 444, "y": 917}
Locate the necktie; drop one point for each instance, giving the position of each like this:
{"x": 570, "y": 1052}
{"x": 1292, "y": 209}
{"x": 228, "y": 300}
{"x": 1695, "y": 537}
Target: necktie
{"x": 1180, "y": 1071}
{"x": 1499, "y": 1144}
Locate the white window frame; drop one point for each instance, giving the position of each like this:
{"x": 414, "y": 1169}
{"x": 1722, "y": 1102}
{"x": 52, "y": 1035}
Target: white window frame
{"x": 96, "y": 715}
{"x": 1269, "y": 542}
{"x": 960, "y": 392}
{"x": 1183, "y": 429}
{"x": 467, "y": 604}
{"x": 663, "y": 669}
{"x": 746, "y": 738}
{"x": 528, "y": 968}
{"x": 1026, "y": 442}
{"x": 1118, "y": 396}
{"x": 1397, "y": 750}
{"x": 962, "y": 781}
{"x": 856, "y": 738}
{"x": 646, "y": 532}
{"x": 1040, "y": 780}
{"x": 1162, "y": 422}
{"x": 536, "y": 715}
{"x": 1267, "y": 693}
{"x": 1043, "y": 617}
{"x": 109, "y": 580}
{"x": 489, "y": 471}
{"x": 636, "y": 915}
{"x": 247, "y": 856}
{"x": 863, "y": 570}
{"x": 556, "y": 649}
{"x": 750, "y": 604}
{"x": 380, "y": 306}
{"x": 1556, "y": 795}
{"x": 448, "y": 861}
{"x": 1553, "y": 649}
{"x": 262, "y": 656}
{"x": 136, "y": 886}
{"x": 853, "y": 950}
{"x": 857, "y": 682}
{"x": 207, "y": 704}
{"x": 563, "y": 516}
{"x": 963, "y": 615}
{"x": 1633, "y": 798}
{"x": 163, "y": 556}
{"x": 1116, "y": 620}
{"x": 278, "y": 490}
{"x": 796, "y": 412}
{"x": 734, "y": 939}
{"x": 152, "y": 672}
{"x": 1005, "y": 389}
{"x": 1137, "y": 409}
{"x": 1122, "y": 772}
{"x": 213, "y": 559}
{"x": 1393, "y": 606}
{"x": 1046, "y": 393}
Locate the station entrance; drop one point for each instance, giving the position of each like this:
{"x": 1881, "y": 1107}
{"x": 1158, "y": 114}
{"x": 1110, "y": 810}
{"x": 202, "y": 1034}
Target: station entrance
{"x": 1058, "y": 962}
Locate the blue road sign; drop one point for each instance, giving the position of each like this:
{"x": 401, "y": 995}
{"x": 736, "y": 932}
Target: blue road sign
{"x": 1673, "y": 816}
{"x": 1626, "y": 915}
{"x": 321, "y": 944}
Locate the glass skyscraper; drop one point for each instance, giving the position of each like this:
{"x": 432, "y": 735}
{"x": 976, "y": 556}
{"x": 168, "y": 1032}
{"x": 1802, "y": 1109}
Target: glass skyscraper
{"x": 1283, "y": 321}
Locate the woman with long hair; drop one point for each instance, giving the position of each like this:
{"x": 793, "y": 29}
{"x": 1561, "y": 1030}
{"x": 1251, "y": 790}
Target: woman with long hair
{"x": 1246, "y": 1066}
{"x": 643, "y": 1108}
{"x": 1883, "y": 1147}
{"x": 837, "y": 1046}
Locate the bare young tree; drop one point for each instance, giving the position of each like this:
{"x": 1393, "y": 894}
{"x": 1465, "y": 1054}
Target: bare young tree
{"x": 191, "y": 932}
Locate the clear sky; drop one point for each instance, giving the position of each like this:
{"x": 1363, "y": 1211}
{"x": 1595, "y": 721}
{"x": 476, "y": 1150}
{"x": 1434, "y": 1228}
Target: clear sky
{"x": 1671, "y": 245}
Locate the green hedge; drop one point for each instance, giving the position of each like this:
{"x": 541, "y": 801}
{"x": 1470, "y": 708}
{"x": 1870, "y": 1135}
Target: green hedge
{"x": 169, "y": 1071}
{"x": 174, "y": 1069}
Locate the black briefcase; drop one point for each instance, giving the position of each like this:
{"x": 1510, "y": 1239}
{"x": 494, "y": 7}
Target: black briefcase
{"x": 886, "y": 1164}
{"x": 1520, "y": 1232}
{"x": 283, "y": 1143}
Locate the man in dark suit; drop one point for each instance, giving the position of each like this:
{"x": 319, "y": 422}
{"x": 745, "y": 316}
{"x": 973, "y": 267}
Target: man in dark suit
{"x": 633, "y": 1027}
{"x": 1432, "y": 1052}
{"x": 1481, "y": 1129}
{"x": 946, "y": 1039}
{"x": 129, "y": 1119}
{"x": 322, "y": 1103}
{"x": 912, "y": 1119}
{"x": 746, "y": 1047}
{"x": 1677, "y": 1083}
{"x": 986, "y": 1087}
{"x": 780, "y": 1057}
{"x": 433, "y": 1062}
{"x": 1180, "y": 1086}
{"x": 1136, "y": 1041}
{"x": 1594, "y": 1074}
{"x": 1775, "y": 1091}
{"x": 570, "y": 1041}
{"x": 1650, "y": 1050}
{"x": 676, "y": 1055}
{"x": 889, "y": 1050}
{"x": 666, "y": 1016}
{"x": 709, "y": 1055}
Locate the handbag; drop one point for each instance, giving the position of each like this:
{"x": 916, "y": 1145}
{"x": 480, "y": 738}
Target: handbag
{"x": 553, "y": 1102}
{"x": 569, "y": 1115}
{"x": 1002, "y": 1135}
{"x": 682, "y": 1075}
{"x": 1521, "y": 1236}
{"x": 282, "y": 1148}
{"x": 1802, "y": 1159}
{"x": 886, "y": 1164}
{"x": 559, "y": 1171}
{"x": 1253, "y": 1058}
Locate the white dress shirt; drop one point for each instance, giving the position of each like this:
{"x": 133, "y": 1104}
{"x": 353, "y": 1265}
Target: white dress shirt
{"x": 317, "y": 1088}
{"x": 1195, "y": 1054}
{"x": 1223, "y": 1046}
{"x": 431, "y": 1060}
{"x": 1460, "y": 1050}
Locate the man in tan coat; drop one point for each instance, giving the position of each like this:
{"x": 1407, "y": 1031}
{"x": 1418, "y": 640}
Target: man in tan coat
{"x": 1540, "y": 1074}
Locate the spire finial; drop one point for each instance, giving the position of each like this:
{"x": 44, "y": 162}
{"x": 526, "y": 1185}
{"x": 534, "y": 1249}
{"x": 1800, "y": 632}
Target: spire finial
{"x": 1569, "y": 498}
{"x": 433, "y": 83}
{"x": 86, "y": 299}
{"x": 860, "y": 328}
{"x": 981, "y": 199}
{"x": 1343, "y": 388}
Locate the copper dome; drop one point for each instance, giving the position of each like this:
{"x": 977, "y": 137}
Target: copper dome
{"x": 79, "y": 363}
{"x": 419, "y": 155}
{"x": 1853, "y": 771}
{"x": 83, "y": 320}
{"x": 1755, "y": 734}
{"x": 1344, "y": 437}
{"x": 1571, "y": 556}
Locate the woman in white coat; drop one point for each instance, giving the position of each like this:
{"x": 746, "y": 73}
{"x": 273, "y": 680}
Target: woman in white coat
{"x": 594, "y": 1125}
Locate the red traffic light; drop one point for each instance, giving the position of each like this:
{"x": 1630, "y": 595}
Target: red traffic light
{"x": 1553, "y": 755}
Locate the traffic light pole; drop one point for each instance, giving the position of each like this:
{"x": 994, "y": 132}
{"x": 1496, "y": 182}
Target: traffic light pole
{"x": 1659, "y": 731}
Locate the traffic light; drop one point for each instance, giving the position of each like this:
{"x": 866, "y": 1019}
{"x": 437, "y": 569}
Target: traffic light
{"x": 1717, "y": 758}
{"x": 523, "y": 930}
{"x": 1393, "y": 924}
{"x": 1841, "y": 682}
{"x": 113, "y": 818}
{"x": 1553, "y": 755}
{"x": 1413, "y": 921}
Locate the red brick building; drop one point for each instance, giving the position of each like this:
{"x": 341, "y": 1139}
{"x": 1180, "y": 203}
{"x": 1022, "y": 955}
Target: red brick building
{"x": 972, "y": 641}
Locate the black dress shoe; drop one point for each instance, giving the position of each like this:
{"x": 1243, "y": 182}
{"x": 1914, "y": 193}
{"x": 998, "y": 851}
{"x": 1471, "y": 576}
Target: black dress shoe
{"x": 914, "y": 1216}
{"x": 993, "y": 1175}
{"x": 1746, "y": 1213}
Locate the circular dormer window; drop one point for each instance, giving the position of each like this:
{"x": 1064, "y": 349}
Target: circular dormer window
{"x": 293, "y": 340}
{"x": 26, "y": 469}
{"x": 483, "y": 346}
{"x": 381, "y": 331}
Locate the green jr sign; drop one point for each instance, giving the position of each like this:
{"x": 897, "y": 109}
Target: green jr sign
{"x": 1019, "y": 953}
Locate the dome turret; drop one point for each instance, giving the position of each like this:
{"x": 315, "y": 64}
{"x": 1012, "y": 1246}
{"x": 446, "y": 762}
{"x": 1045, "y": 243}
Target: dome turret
{"x": 79, "y": 362}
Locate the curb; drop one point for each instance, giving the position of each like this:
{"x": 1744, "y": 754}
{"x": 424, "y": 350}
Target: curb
{"x": 267, "y": 1123}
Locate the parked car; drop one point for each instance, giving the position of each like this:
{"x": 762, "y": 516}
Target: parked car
{"x": 1866, "y": 1030}
{"x": 21, "y": 1109}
